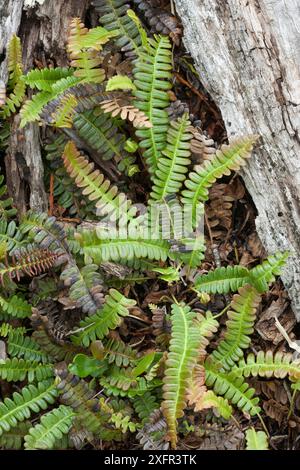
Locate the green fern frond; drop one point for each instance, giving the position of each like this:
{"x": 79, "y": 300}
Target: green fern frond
{"x": 7, "y": 329}
{"x": 18, "y": 369}
{"x": 263, "y": 274}
{"x": 13, "y": 439}
{"x": 227, "y": 158}
{"x": 256, "y": 440}
{"x": 173, "y": 165}
{"x": 52, "y": 427}
{"x": 210, "y": 400}
{"x": 113, "y": 15}
{"x": 182, "y": 356}
{"x": 193, "y": 252}
{"x": 144, "y": 405}
{"x": 64, "y": 113}
{"x": 239, "y": 327}
{"x": 267, "y": 364}
{"x": 123, "y": 422}
{"x": 122, "y": 379}
{"x": 15, "y": 99}
{"x": 152, "y": 79}
{"x": 108, "y": 318}
{"x": 94, "y": 184}
{"x": 21, "y": 405}
{"x": 15, "y": 306}
{"x": 10, "y": 234}
{"x": 14, "y": 62}
{"x": 100, "y": 133}
{"x": 117, "y": 352}
{"x": 222, "y": 280}
{"x": 44, "y": 79}
{"x": 23, "y": 346}
{"x": 234, "y": 389}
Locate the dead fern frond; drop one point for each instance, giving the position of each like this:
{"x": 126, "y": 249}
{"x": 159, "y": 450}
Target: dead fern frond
{"x": 126, "y": 112}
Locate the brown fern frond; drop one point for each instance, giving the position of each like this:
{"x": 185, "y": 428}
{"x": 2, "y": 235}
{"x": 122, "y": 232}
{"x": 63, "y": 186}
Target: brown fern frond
{"x": 126, "y": 111}
{"x": 2, "y": 93}
{"x": 202, "y": 147}
{"x": 197, "y": 387}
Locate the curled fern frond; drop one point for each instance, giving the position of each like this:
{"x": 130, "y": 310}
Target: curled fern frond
{"x": 267, "y": 364}
{"x": 110, "y": 202}
{"x": 20, "y": 406}
{"x": 113, "y": 15}
{"x": 227, "y": 158}
{"x": 108, "y": 318}
{"x": 239, "y": 327}
{"x": 126, "y": 111}
{"x": 86, "y": 287}
{"x": 182, "y": 357}
{"x": 18, "y": 369}
{"x": 173, "y": 165}
{"x": 53, "y": 426}
{"x": 152, "y": 79}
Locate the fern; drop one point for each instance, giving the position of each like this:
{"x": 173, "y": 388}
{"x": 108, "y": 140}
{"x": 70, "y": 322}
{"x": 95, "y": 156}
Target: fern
{"x": 144, "y": 405}
{"x": 10, "y": 234}
{"x": 152, "y": 79}
{"x": 228, "y": 158}
{"x": 44, "y": 79}
{"x": 210, "y": 400}
{"x": 6, "y": 329}
{"x": 109, "y": 317}
{"x": 13, "y": 439}
{"x": 14, "y": 61}
{"x": 52, "y": 427}
{"x": 95, "y": 185}
{"x": 113, "y": 15}
{"x": 117, "y": 352}
{"x": 239, "y": 327}
{"x": 15, "y": 99}
{"x": 21, "y": 405}
{"x": 222, "y": 280}
{"x": 266, "y": 364}
{"x": 100, "y": 133}
{"x": 173, "y": 165}
{"x": 256, "y": 440}
{"x": 15, "y": 306}
{"x": 23, "y": 346}
{"x": 18, "y": 369}
{"x": 181, "y": 359}
{"x": 6, "y": 209}
{"x": 63, "y": 115}
{"x": 262, "y": 275}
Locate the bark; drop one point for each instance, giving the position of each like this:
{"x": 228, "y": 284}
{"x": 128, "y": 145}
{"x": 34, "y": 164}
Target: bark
{"x": 42, "y": 27}
{"x": 247, "y": 54}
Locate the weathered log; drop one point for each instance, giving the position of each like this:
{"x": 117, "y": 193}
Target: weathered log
{"x": 247, "y": 54}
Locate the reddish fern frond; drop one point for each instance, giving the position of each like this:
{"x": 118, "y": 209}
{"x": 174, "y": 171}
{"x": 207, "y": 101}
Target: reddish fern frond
{"x": 126, "y": 111}
{"x": 28, "y": 260}
{"x": 197, "y": 387}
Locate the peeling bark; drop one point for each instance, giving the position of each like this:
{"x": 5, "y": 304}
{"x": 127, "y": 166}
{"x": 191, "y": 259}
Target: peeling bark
{"x": 247, "y": 53}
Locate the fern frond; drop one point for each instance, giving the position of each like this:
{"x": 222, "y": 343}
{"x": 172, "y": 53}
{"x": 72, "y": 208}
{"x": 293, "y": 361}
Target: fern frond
{"x": 193, "y": 253}
{"x": 234, "y": 389}
{"x": 239, "y": 327}
{"x": 21, "y": 405}
{"x": 7, "y": 329}
{"x": 227, "y": 158}
{"x": 267, "y": 364}
{"x": 110, "y": 202}
{"x": 210, "y": 400}
{"x": 100, "y": 133}
{"x": 64, "y": 113}
{"x": 222, "y": 280}
{"x": 152, "y": 79}
{"x": 126, "y": 111}
{"x": 108, "y": 318}
{"x": 99, "y": 247}
{"x": 13, "y": 439}
{"x": 18, "y": 369}
{"x": 144, "y": 406}
{"x": 113, "y": 15}
{"x": 2, "y": 95}
{"x": 44, "y": 79}
{"x": 6, "y": 209}
{"x": 26, "y": 347}
{"x": 117, "y": 352}
{"x": 14, "y": 62}
{"x": 173, "y": 165}
{"x": 182, "y": 356}
{"x": 256, "y": 440}
{"x": 53, "y": 426}
{"x": 49, "y": 348}
{"x": 15, "y": 99}
{"x": 122, "y": 379}
{"x": 263, "y": 274}
{"x": 123, "y": 422}
{"x": 15, "y": 306}
{"x": 86, "y": 286}
{"x": 10, "y": 234}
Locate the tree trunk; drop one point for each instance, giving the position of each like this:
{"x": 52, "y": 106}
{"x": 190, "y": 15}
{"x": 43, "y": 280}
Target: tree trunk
{"x": 247, "y": 55}
{"x": 42, "y": 26}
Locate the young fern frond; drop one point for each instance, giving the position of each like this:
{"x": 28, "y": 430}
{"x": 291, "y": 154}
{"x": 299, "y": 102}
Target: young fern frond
{"x": 52, "y": 427}
{"x": 15, "y": 306}
{"x": 227, "y": 158}
{"x": 113, "y": 15}
{"x": 239, "y": 327}
{"x": 256, "y": 440}
{"x": 21, "y": 405}
{"x": 173, "y": 165}
{"x": 110, "y": 202}
{"x": 107, "y": 318}
{"x": 152, "y": 75}
{"x": 267, "y": 364}
{"x": 44, "y": 79}
{"x": 234, "y": 389}
{"x": 182, "y": 356}
{"x": 18, "y": 369}
{"x": 100, "y": 133}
